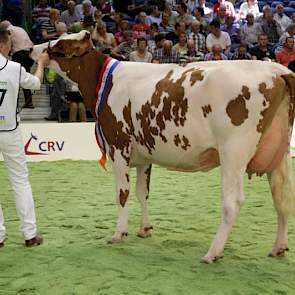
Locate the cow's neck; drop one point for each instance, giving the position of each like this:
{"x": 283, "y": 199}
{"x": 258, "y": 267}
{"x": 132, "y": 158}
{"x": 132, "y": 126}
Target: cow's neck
{"x": 84, "y": 71}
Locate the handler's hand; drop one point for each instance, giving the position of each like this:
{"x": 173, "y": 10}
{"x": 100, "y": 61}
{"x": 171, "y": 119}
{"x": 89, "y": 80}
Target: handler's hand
{"x": 44, "y": 59}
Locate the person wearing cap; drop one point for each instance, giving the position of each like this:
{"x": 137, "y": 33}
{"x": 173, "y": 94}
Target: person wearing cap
{"x": 141, "y": 28}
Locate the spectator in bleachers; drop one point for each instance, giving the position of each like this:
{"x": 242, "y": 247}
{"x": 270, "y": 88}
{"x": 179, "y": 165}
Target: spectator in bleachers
{"x": 141, "y": 28}
{"x": 181, "y": 45}
{"x": 215, "y": 54}
{"x": 182, "y": 15}
{"x": 250, "y": 31}
{"x": 198, "y": 38}
{"x": 281, "y": 18}
{"x": 41, "y": 12}
{"x": 48, "y": 28}
{"x": 241, "y": 53}
{"x": 165, "y": 26}
{"x": 170, "y": 12}
{"x": 262, "y": 51}
{"x": 208, "y": 13}
{"x": 86, "y": 24}
{"x": 218, "y": 37}
{"x": 221, "y": 15}
{"x": 155, "y": 16}
{"x": 21, "y": 46}
{"x": 159, "y": 40}
{"x": 293, "y": 17}
{"x": 154, "y": 31}
{"x": 70, "y": 16}
{"x": 102, "y": 39}
{"x": 166, "y": 54}
{"x": 123, "y": 50}
{"x": 141, "y": 54}
{"x": 287, "y": 53}
{"x": 192, "y": 5}
{"x": 174, "y": 35}
{"x": 290, "y": 32}
{"x": 85, "y": 9}
{"x": 192, "y": 54}
{"x": 233, "y": 29}
{"x": 123, "y": 27}
{"x": 200, "y": 16}
{"x": 104, "y": 6}
{"x": 249, "y": 6}
{"x": 272, "y": 29}
{"x": 230, "y": 10}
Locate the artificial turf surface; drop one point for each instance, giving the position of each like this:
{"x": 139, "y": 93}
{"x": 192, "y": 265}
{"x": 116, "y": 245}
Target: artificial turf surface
{"x": 77, "y": 213}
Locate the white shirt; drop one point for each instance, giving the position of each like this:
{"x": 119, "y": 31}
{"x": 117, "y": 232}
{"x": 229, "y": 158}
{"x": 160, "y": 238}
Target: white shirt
{"x": 245, "y": 9}
{"x": 12, "y": 76}
{"x": 284, "y": 21}
{"x": 223, "y": 40}
{"x": 19, "y": 38}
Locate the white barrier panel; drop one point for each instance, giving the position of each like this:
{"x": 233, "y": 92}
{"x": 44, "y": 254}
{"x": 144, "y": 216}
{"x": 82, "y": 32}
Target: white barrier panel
{"x": 55, "y": 141}
{"x": 74, "y": 141}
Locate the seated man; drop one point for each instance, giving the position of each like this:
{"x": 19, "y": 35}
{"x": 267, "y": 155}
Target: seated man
{"x": 218, "y": 37}
{"x": 216, "y": 54}
{"x": 167, "y": 54}
{"x": 287, "y": 54}
{"x": 262, "y": 51}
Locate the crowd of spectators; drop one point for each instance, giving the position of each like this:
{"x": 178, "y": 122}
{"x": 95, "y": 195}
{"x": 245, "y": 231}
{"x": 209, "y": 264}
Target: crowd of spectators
{"x": 174, "y": 31}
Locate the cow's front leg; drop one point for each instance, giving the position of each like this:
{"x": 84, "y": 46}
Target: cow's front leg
{"x": 232, "y": 199}
{"x": 121, "y": 173}
{"x": 142, "y": 193}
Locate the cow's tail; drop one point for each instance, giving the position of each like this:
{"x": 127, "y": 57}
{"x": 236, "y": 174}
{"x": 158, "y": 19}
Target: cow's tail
{"x": 282, "y": 178}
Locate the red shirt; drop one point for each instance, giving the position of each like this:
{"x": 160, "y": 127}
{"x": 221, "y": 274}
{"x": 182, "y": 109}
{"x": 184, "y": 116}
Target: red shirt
{"x": 285, "y": 56}
{"x": 141, "y": 28}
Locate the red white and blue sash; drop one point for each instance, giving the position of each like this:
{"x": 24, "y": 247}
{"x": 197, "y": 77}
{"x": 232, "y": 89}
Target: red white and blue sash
{"x": 104, "y": 79}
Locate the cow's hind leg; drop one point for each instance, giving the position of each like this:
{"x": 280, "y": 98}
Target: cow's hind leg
{"x": 232, "y": 172}
{"x": 121, "y": 173}
{"x": 142, "y": 193}
{"x": 283, "y": 193}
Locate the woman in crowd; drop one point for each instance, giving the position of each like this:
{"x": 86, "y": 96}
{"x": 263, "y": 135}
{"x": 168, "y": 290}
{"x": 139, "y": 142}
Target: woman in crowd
{"x": 141, "y": 54}
{"x": 102, "y": 39}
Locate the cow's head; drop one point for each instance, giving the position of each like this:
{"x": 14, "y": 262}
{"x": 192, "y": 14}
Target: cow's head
{"x": 68, "y": 46}
{"x": 73, "y": 57}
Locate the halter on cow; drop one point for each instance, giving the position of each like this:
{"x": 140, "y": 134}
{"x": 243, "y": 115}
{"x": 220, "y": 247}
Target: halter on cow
{"x": 236, "y": 114}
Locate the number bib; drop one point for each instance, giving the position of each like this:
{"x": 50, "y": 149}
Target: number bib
{"x": 9, "y": 89}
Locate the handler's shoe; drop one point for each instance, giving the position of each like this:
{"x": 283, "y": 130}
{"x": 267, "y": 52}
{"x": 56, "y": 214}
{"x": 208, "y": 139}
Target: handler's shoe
{"x": 36, "y": 241}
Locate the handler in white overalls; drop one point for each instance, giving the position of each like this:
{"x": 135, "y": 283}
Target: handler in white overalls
{"x": 13, "y": 76}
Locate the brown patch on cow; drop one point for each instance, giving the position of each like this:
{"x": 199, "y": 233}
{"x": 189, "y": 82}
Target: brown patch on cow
{"x": 206, "y": 110}
{"x": 127, "y": 177}
{"x": 236, "y": 108}
{"x": 290, "y": 81}
{"x": 123, "y": 196}
{"x": 147, "y": 172}
{"x": 273, "y": 96}
{"x": 177, "y": 140}
{"x": 168, "y": 103}
{"x": 197, "y": 75}
{"x": 113, "y": 130}
{"x": 246, "y": 92}
{"x": 186, "y": 143}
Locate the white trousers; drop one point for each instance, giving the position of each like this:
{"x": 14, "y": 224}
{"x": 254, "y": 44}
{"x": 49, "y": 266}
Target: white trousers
{"x": 12, "y": 149}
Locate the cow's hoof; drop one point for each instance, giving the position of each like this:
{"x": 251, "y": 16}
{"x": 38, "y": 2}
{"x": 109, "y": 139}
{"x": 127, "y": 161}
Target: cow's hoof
{"x": 116, "y": 240}
{"x": 278, "y": 252}
{"x": 208, "y": 259}
{"x": 145, "y": 232}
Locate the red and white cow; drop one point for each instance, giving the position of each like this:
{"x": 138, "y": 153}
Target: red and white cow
{"x": 236, "y": 114}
